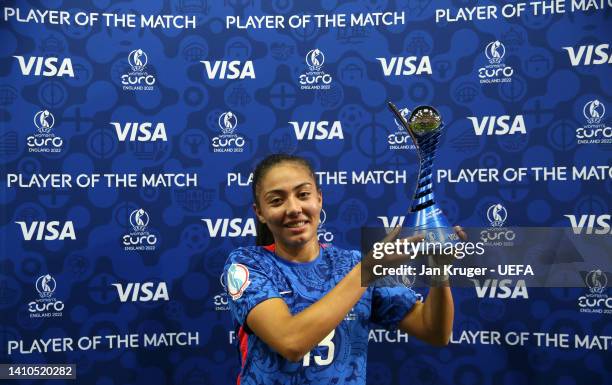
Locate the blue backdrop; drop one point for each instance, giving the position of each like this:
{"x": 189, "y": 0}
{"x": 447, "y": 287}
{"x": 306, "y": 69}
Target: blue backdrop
{"x": 126, "y": 145}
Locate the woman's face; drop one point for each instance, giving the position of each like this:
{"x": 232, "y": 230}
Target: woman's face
{"x": 290, "y": 204}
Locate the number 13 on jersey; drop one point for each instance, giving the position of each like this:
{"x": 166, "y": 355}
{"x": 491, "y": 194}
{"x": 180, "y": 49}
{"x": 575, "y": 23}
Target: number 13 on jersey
{"x": 329, "y": 357}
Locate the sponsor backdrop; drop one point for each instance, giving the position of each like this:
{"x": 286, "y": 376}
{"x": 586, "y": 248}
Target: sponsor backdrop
{"x": 129, "y": 131}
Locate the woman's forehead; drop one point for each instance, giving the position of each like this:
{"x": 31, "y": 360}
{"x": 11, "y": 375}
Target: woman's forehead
{"x": 286, "y": 176}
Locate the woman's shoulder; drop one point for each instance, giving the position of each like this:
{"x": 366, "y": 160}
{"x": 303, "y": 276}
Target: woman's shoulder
{"x": 338, "y": 250}
{"x": 337, "y": 253}
{"x": 248, "y": 255}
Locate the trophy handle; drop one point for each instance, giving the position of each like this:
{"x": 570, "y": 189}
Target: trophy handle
{"x": 404, "y": 124}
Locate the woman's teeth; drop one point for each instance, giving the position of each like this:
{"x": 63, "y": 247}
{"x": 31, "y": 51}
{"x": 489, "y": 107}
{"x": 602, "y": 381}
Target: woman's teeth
{"x": 296, "y": 224}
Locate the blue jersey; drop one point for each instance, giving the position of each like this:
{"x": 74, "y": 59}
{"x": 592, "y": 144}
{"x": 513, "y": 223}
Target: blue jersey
{"x": 255, "y": 274}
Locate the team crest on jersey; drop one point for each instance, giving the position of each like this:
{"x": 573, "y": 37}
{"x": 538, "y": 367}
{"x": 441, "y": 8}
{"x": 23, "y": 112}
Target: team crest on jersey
{"x": 237, "y": 280}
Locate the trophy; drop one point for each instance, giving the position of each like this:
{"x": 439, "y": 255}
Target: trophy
{"x": 425, "y": 128}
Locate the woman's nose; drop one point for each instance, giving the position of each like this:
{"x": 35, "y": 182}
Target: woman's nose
{"x": 293, "y": 207}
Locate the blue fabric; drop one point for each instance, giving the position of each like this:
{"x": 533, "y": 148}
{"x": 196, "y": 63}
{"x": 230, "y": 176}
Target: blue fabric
{"x": 300, "y": 285}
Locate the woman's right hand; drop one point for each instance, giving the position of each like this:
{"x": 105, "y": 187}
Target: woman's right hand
{"x": 388, "y": 260}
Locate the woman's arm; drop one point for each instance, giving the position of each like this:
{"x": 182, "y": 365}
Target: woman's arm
{"x": 432, "y": 320}
{"x": 292, "y": 336}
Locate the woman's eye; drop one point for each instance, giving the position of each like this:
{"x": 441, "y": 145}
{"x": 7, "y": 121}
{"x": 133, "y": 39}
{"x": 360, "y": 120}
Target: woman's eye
{"x": 304, "y": 194}
{"x": 275, "y": 201}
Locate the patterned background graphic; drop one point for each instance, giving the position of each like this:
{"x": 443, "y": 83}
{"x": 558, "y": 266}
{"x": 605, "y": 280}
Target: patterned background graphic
{"x": 203, "y": 127}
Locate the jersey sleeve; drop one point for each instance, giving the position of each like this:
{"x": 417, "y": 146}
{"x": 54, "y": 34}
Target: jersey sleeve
{"x": 247, "y": 283}
{"x": 391, "y": 304}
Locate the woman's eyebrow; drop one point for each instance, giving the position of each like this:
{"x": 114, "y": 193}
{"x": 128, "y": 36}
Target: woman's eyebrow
{"x": 302, "y": 185}
{"x": 280, "y": 191}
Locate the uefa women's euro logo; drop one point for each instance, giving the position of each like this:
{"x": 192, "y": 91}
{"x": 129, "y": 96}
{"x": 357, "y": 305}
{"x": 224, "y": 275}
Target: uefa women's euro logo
{"x": 139, "y": 238}
{"x": 47, "y": 305}
{"x": 594, "y": 111}
{"x": 597, "y": 281}
{"x": 138, "y": 60}
{"x": 495, "y": 52}
{"x": 314, "y": 78}
{"x": 315, "y": 59}
{"x": 44, "y": 121}
{"x": 228, "y": 141}
{"x": 228, "y": 122}
{"x": 597, "y": 300}
{"x": 139, "y": 219}
{"x": 497, "y": 234}
{"x": 237, "y": 280}
{"x": 44, "y": 140}
{"x": 138, "y": 79}
{"x": 400, "y": 139}
{"x": 497, "y": 214}
{"x": 496, "y": 71}
{"x": 45, "y": 285}
{"x": 595, "y": 131}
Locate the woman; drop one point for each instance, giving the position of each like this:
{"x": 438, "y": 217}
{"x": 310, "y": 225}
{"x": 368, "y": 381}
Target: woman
{"x": 301, "y": 311}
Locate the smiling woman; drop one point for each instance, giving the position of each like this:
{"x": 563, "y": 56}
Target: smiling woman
{"x": 288, "y": 205}
{"x": 302, "y": 315}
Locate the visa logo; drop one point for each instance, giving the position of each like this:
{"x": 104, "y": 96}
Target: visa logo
{"x": 45, "y": 66}
{"x": 223, "y": 69}
{"x": 142, "y": 292}
{"x": 405, "y": 66}
{"x": 504, "y": 288}
{"x": 394, "y": 222}
{"x": 498, "y": 125}
{"x": 578, "y": 223}
{"x": 589, "y": 54}
{"x": 48, "y": 231}
{"x": 140, "y": 132}
{"x": 230, "y": 227}
{"x": 318, "y": 130}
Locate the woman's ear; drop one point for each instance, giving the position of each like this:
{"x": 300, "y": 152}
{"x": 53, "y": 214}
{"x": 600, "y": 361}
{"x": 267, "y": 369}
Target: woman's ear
{"x": 258, "y": 213}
